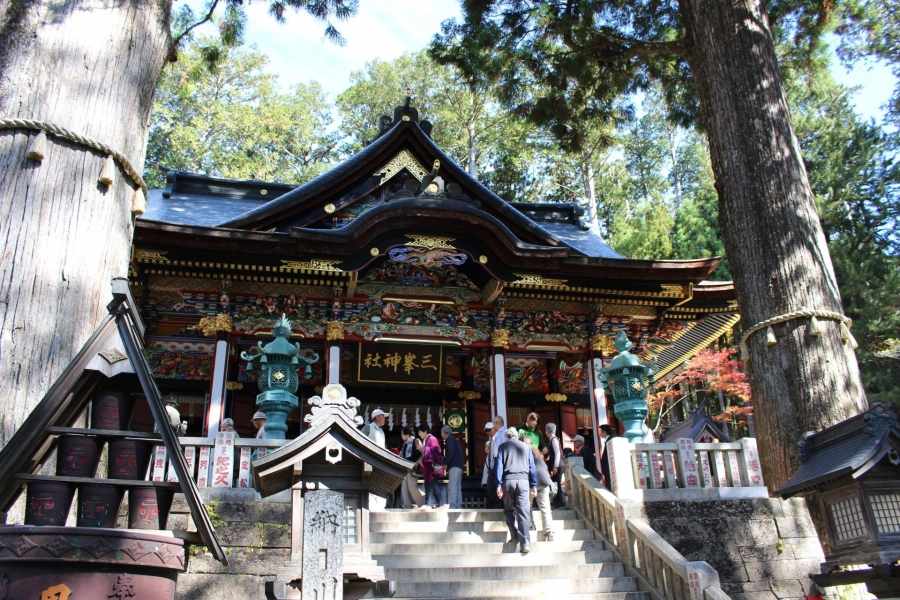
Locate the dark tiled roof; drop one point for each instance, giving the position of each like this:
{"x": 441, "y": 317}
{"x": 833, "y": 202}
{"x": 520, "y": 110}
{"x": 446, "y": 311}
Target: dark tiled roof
{"x": 566, "y": 222}
{"x": 197, "y": 199}
{"x": 693, "y": 427}
{"x": 586, "y": 241}
{"x": 195, "y": 209}
{"x": 849, "y": 448}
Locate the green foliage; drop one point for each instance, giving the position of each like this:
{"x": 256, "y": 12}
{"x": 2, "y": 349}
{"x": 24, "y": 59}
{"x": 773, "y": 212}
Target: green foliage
{"x": 228, "y": 119}
{"x": 854, "y": 173}
{"x": 213, "y": 515}
{"x": 230, "y": 18}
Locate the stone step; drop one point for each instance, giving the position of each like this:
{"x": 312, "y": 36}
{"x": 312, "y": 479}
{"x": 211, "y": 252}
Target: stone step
{"x": 472, "y": 537}
{"x": 495, "y": 572}
{"x": 601, "y": 596}
{"x": 509, "y": 558}
{"x": 476, "y": 526}
{"x": 472, "y": 547}
{"x": 454, "y": 516}
{"x": 525, "y": 588}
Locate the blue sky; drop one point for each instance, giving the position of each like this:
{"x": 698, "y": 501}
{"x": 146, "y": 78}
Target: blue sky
{"x": 386, "y": 29}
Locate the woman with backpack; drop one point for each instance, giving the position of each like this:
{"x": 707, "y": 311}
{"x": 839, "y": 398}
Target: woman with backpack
{"x": 432, "y": 463}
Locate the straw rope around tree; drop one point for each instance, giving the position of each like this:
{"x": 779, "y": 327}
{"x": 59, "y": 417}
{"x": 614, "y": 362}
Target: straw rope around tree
{"x": 815, "y": 329}
{"x": 38, "y": 150}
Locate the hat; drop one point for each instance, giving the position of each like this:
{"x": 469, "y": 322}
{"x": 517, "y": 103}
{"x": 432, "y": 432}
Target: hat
{"x": 378, "y": 413}
{"x": 489, "y": 425}
{"x": 259, "y": 415}
{"x": 229, "y": 422}
{"x": 578, "y": 438}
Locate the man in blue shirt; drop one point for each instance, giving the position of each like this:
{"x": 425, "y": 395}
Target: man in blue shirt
{"x": 516, "y": 482}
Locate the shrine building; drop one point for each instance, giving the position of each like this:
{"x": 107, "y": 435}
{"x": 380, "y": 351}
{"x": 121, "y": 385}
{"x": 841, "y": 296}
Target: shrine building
{"x": 419, "y": 290}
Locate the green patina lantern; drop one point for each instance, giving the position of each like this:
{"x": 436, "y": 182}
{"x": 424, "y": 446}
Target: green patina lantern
{"x": 628, "y": 379}
{"x": 278, "y": 363}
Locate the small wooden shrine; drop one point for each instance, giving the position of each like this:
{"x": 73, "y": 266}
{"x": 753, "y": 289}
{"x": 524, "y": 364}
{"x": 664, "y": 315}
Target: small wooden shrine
{"x": 422, "y": 292}
{"x": 334, "y": 455}
{"x": 851, "y": 474}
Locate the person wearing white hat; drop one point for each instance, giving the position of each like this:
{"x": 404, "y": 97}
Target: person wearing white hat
{"x": 374, "y": 429}
{"x": 228, "y": 425}
{"x": 259, "y": 421}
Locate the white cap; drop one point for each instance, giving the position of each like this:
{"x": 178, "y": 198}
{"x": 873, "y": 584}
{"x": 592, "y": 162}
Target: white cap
{"x": 489, "y": 425}
{"x": 378, "y": 413}
{"x": 578, "y": 438}
{"x": 259, "y": 415}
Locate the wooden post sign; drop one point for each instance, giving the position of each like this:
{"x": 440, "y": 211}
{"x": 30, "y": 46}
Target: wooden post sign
{"x": 400, "y": 363}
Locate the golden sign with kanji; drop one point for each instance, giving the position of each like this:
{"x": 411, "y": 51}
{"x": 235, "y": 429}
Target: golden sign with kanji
{"x": 400, "y": 363}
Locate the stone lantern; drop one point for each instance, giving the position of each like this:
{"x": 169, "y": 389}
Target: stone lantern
{"x": 278, "y": 363}
{"x": 627, "y": 379}
{"x": 850, "y": 475}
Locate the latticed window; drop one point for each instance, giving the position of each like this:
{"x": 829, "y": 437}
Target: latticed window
{"x": 350, "y": 520}
{"x": 886, "y": 510}
{"x": 848, "y": 520}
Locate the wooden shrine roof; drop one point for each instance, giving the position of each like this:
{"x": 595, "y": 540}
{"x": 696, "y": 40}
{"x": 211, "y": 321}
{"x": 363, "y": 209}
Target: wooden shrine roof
{"x": 334, "y": 423}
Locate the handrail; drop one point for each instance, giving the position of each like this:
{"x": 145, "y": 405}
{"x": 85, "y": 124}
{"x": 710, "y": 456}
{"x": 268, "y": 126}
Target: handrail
{"x": 659, "y": 568}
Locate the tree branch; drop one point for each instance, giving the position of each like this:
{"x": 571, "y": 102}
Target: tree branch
{"x": 206, "y": 19}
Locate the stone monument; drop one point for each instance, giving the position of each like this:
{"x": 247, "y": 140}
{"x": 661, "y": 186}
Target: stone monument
{"x": 323, "y": 546}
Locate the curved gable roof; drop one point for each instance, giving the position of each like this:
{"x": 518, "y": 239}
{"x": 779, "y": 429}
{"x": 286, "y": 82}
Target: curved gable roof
{"x": 368, "y": 161}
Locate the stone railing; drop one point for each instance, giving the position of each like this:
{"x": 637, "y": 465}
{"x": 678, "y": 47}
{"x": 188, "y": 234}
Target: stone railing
{"x": 219, "y": 462}
{"x": 685, "y": 470}
{"x": 659, "y": 568}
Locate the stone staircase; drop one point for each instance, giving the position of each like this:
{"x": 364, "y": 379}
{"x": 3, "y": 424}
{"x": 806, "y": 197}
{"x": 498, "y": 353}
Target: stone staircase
{"x": 465, "y": 554}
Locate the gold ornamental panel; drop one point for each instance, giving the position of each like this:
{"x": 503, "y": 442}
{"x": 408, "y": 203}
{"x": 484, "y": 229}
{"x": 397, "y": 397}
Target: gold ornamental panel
{"x": 500, "y": 338}
{"x": 334, "y": 331}
{"x": 212, "y": 325}
{"x": 403, "y": 160}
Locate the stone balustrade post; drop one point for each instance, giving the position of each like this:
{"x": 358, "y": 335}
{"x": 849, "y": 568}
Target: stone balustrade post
{"x": 751, "y": 471}
{"x": 700, "y": 576}
{"x": 620, "y": 467}
{"x": 687, "y": 464}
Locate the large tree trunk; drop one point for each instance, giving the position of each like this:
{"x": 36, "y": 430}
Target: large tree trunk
{"x": 771, "y": 230}
{"x": 90, "y": 66}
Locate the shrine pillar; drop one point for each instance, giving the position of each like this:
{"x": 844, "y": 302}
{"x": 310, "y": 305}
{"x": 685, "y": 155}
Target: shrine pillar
{"x": 499, "y": 343}
{"x": 217, "y": 327}
{"x": 334, "y": 335}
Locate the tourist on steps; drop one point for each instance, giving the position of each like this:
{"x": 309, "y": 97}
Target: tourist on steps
{"x": 585, "y": 450}
{"x": 409, "y": 489}
{"x": 453, "y": 460}
{"x": 486, "y": 477}
{"x": 516, "y": 483}
{"x": 543, "y": 489}
{"x": 531, "y": 430}
{"x": 497, "y": 439}
{"x": 606, "y": 435}
{"x": 555, "y": 463}
{"x": 432, "y": 463}
{"x": 374, "y": 429}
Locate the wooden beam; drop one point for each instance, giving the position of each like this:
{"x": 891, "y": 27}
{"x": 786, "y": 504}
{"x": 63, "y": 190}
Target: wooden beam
{"x": 492, "y": 289}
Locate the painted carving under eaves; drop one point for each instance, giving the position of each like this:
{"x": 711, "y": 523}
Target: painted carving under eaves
{"x": 418, "y": 319}
{"x": 420, "y": 271}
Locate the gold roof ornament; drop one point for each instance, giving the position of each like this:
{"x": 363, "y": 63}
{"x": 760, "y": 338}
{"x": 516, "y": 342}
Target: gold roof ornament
{"x": 210, "y": 326}
{"x": 403, "y": 160}
{"x": 500, "y": 338}
{"x": 334, "y": 331}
